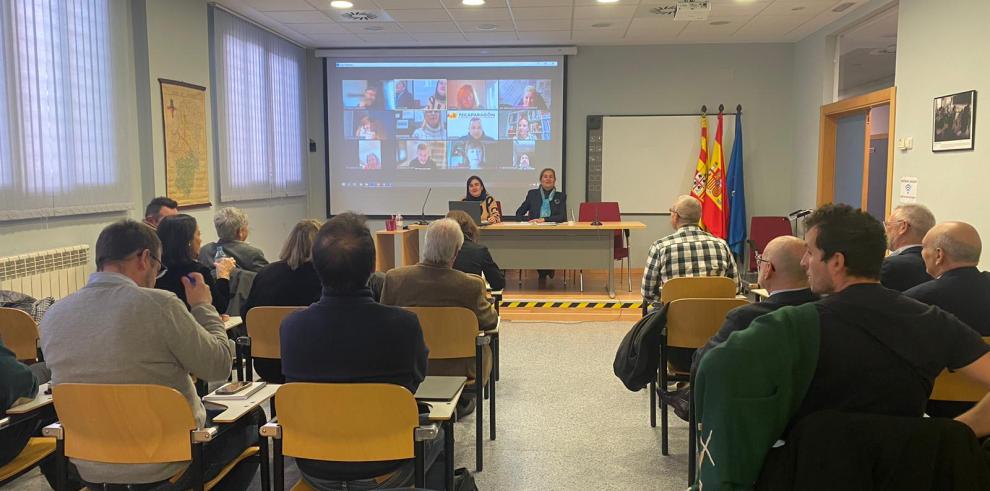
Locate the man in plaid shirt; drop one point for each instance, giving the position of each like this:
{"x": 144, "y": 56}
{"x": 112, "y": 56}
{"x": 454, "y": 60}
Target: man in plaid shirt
{"x": 689, "y": 251}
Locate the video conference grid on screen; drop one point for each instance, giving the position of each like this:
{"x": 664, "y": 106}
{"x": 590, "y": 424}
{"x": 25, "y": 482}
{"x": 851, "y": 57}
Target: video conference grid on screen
{"x": 438, "y": 124}
{"x": 398, "y": 128}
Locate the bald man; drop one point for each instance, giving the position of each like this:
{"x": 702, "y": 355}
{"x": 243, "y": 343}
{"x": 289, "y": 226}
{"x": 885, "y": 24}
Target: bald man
{"x": 689, "y": 251}
{"x": 779, "y": 271}
{"x": 951, "y": 251}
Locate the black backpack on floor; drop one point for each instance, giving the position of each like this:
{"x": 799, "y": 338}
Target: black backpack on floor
{"x": 638, "y": 356}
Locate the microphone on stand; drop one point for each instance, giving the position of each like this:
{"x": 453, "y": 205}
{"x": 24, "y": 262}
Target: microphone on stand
{"x": 422, "y": 212}
{"x": 596, "y": 223}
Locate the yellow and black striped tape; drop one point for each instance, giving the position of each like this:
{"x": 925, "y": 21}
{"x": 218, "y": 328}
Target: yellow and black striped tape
{"x": 571, "y": 305}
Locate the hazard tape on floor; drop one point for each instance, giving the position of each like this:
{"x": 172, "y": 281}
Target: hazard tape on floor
{"x": 571, "y": 305}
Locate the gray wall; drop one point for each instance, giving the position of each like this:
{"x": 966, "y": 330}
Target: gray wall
{"x": 679, "y": 79}
{"x": 170, "y": 40}
{"x": 950, "y": 183}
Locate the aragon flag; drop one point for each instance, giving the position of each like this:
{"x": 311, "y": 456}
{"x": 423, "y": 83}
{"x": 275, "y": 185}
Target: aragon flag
{"x": 712, "y": 208}
{"x": 701, "y": 171}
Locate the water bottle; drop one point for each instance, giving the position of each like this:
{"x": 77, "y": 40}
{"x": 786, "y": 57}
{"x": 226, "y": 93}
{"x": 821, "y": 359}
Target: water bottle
{"x": 219, "y": 255}
{"x": 398, "y": 222}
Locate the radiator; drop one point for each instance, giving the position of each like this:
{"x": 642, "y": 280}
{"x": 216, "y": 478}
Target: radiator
{"x": 52, "y": 273}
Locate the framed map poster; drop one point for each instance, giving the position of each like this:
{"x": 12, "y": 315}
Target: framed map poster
{"x": 187, "y": 178}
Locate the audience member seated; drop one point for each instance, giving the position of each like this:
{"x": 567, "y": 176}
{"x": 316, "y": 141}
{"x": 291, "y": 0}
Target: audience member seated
{"x": 689, "y": 251}
{"x": 779, "y": 271}
{"x": 180, "y": 241}
{"x": 16, "y": 382}
{"x": 862, "y": 349}
{"x": 119, "y": 330}
{"x": 290, "y": 281}
{"x": 434, "y": 283}
{"x": 348, "y": 337}
{"x": 232, "y": 229}
{"x": 904, "y": 267}
{"x": 951, "y": 252}
{"x": 158, "y": 209}
{"x": 474, "y": 257}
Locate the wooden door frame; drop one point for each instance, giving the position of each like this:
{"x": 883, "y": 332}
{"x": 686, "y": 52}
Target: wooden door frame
{"x": 830, "y": 114}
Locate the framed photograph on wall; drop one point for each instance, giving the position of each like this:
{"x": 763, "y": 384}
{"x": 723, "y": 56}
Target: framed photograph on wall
{"x": 955, "y": 122}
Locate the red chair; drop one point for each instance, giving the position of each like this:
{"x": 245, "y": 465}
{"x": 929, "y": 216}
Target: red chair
{"x": 761, "y": 231}
{"x": 608, "y": 211}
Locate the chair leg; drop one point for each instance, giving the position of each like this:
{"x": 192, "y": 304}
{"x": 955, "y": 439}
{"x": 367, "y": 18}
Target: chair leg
{"x": 479, "y": 414}
{"x": 653, "y": 404}
{"x": 495, "y": 353}
{"x": 629, "y": 274}
{"x": 664, "y": 450}
{"x": 266, "y": 478}
{"x": 61, "y": 466}
{"x": 520, "y": 278}
{"x": 198, "y": 467}
{"x": 491, "y": 407}
{"x": 278, "y": 461}
{"x": 486, "y": 392}
{"x": 419, "y": 465}
{"x": 581, "y": 280}
{"x": 692, "y": 444}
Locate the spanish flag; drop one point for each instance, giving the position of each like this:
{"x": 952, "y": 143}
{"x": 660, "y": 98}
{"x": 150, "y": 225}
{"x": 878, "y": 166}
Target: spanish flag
{"x": 712, "y": 208}
{"x": 701, "y": 171}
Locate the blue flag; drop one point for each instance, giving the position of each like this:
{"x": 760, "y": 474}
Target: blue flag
{"x": 736, "y": 191}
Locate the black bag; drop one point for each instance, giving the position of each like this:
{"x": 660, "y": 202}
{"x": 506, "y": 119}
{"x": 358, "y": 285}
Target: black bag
{"x": 638, "y": 356}
{"x": 463, "y": 480}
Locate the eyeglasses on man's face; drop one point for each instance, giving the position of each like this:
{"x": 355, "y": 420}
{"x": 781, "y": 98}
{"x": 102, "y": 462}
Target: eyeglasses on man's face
{"x": 163, "y": 270}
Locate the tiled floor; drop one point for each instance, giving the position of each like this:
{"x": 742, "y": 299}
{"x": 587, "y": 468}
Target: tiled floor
{"x": 564, "y": 420}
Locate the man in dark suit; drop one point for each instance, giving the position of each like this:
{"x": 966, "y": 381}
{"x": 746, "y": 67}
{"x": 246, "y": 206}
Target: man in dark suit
{"x": 951, "y": 251}
{"x": 779, "y": 271}
{"x": 904, "y": 267}
{"x": 347, "y": 337}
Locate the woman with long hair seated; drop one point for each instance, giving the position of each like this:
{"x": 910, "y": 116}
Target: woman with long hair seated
{"x": 474, "y": 257}
{"x": 290, "y": 281}
{"x": 489, "y": 205}
{"x": 180, "y": 248}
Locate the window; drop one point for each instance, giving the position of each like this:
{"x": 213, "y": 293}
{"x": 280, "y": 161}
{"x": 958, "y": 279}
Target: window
{"x": 258, "y": 89}
{"x": 59, "y": 150}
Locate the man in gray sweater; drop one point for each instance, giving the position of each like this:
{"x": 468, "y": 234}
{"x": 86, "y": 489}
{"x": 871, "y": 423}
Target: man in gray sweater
{"x": 118, "y": 329}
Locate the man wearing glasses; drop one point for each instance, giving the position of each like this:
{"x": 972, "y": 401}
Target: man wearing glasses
{"x": 119, "y": 329}
{"x": 905, "y": 228}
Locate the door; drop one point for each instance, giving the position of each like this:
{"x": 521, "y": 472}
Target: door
{"x": 850, "y": 138}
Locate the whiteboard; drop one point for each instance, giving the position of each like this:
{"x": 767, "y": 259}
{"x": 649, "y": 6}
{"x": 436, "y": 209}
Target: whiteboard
{"x": 647, "y": 161}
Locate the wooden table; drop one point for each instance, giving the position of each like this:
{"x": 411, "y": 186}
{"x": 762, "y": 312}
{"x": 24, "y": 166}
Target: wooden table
{"x": 385, "y": 247}
{"x": 571, "y": 245}
{"x": 443, "y": 413}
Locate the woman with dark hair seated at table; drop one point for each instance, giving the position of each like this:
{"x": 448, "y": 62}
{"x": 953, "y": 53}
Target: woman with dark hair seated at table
{"x": 290, "y": 281}
{"x": 180, "y": 248}
{"x": 476, "y": 191}
{"x": 473, "y": 257}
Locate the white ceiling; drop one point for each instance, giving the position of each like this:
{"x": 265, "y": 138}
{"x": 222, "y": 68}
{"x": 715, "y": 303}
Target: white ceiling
{"x": 447, "y": 23}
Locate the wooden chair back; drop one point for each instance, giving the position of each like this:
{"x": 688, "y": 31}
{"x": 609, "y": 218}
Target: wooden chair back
{"x": 956, "y": 387}
{"x": 124, "y": 424}
{"x": 697, "y": 287}
{"x": 19, "y": 333}
{"x": 263, "y": 325}
{"x": 347, "y": 422}
{"x": 449, "y": 332}
{"x": 692, "y": 321}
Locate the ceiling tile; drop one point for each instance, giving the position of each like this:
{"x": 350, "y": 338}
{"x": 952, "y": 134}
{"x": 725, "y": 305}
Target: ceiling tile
{"x": 409, "y": 4}
{"x": 541, "y": 3}
{"x": 780, "y": 24}
{"x": 740, "y": 8}
{"x": 596, "y": 35}
{"x": 543, "y": 25}
{"x": 472, "y": 27}
{"x": 492, "y": 37}
{"x": 481, "y": 14}
{"x": 706, "y": 28}
{"x": 601, "y": 12}
{"x": 655, "y": 27}
{"x": 276, "y": 5}
{"x": 424, "y": 15}
{"x": 363, "y": 28}
{"x": 458, "y": 4}
{"x": 327, "y": 27}
{"x": 385, "y": 38}
{"x": 588, "y": 24}
{"x": 412, "y": 27}
{"x": 545, "y": 36}
{"x": 805, "y": 8}
{"x": 298, "y": 16}
{"x": 358, "y": 5}
{"x": 322, "y": 40}
{"x": 440, "y": 38}
{"x": 539, "y": 13}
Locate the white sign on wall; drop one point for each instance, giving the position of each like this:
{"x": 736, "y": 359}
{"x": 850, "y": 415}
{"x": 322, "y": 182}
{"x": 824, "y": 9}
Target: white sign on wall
{"x": 909, "y": 190}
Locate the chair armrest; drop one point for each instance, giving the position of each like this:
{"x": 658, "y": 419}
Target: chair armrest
{"x": 5, "y": 422}
{"x": 482, "y": 339}
{"x": 54, "y": 430}
{"x": 423, "y": 433}
{"x": 271, "y": 429}
{"x": 203, "y": 435}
